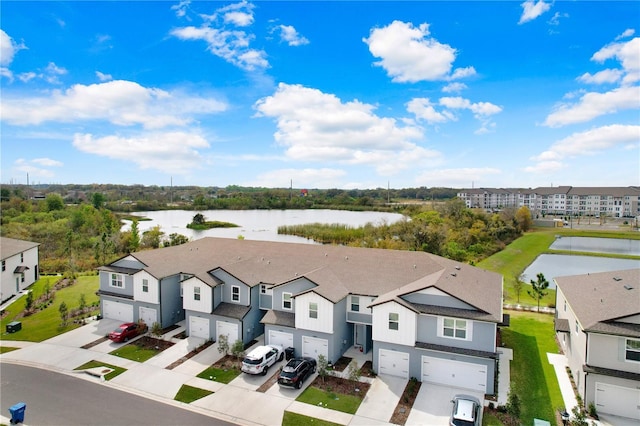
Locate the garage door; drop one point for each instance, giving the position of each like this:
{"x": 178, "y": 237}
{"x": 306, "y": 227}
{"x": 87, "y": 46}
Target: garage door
{"x": 393, "y": 363}
{"x": 458, "y": 374}
{"x": 148, "y": 315}
{"x": 199, "y": 327}
{"x": 281, "y": 338}
{"x": 229, "y": 329}
{"x": 117, "y": 310}
{"x": 617, "y": 400}
{"x": 312, "y": 346}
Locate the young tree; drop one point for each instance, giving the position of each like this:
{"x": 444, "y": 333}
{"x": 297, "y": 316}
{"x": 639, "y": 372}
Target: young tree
{"x": 134, "y": 242}
{"x": 83, "y": 302}
{"x": 97, "y": 199}
{"x": 538, "y": 288}
{"x": 323, "y": 364}
{"x": 353, "y": 371}
{"x": 198, "y": 219}
{"x": 64, "y": 313}
{"x": 28, "y": 301}
{"x": 237, "y": 350}
{"x": 523, "y": 218}
{"x": 518, "y": 283}
{"x": 223, "y": 344}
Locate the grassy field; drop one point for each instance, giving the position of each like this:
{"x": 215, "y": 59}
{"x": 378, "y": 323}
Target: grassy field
{"x": 46, "y": 323}
{"x": 219, "y": 375}
{"x": 533, "y": 379}
{"x": 135, "y": 352}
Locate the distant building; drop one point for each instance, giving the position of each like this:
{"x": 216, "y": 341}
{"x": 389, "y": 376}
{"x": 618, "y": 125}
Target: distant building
{"x": 563, "y": 200}
{"x": 19, "y": 266}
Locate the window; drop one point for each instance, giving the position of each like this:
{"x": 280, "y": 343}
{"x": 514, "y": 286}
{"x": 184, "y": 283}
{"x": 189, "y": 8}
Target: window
{"x": 235, "y": 293}
{"x": 22, "y": 277}
{"x": 454, "y": 328}
{"x": 313, "y": 310}
{"x": 116, "y": 280}
{"x": 21, "y": 257}
{"x": 263, "y": 289}
{"x": 4, "y": 266}
{"x": 393, "y": 321}
{"x": 145, "y": 285}
{"x": 196, "y": 293}
{"x": 632, "y": 350}
{"x": 355, "y": 303}
{"x": 286, "y": 301}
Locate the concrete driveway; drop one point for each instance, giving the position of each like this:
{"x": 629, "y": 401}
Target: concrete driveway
{"x": 81, "y": 336}
{"x": 433, "y": 404}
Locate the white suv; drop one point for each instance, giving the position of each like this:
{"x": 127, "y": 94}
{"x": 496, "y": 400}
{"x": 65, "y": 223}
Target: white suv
{"x": 261, "y": 358}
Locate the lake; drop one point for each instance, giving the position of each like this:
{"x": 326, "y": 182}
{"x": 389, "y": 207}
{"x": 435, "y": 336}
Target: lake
{"x": 256, "y": 224}
{"x": 557, "y": 265}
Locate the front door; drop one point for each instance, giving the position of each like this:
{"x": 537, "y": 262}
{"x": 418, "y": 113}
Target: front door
{"x": 361, "y": 334}
{"x": 17, "y": 284}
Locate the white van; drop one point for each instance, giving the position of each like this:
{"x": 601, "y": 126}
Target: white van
{"x": 261, "y": 358}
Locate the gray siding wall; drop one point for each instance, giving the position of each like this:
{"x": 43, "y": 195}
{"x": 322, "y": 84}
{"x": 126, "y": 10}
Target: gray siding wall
{"x": 105, "y": 284}
{"x": 252, "y": 325}
{"x": 415, "y": 361}
{"x": 343, "y": 333}
{"x": 591, "y": 385}
{"x": 436, "y": 300}
{"x": 128, "y": 263}
{"x": 217, "y": 296}
{"x": 294, "y": 288}
{"x": 230, "y": 281}
{"x": 266, "y": 301}
{"x": 359, "y": 317}
{"x": 483, "y": 334}
{"x": 334, "y": 348}
{"x": 170, "y": 301}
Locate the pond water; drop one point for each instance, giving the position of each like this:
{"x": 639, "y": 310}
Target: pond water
{"x": 598, "y": 245}
{"x": 256, "y": 224}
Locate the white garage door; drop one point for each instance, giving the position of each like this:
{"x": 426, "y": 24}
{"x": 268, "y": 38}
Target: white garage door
{"x": 148, "y": 315}
{"x": 117, "y": 310}
{"x": 458, "y": 374}
{"x": 312, "y": 346}
{"x": 229, "y": 329}
{"x": 281, "y": 338}
{"x": 393, "y": 363}
{"x": 199, "y": 327}
{"x": 624, "y": 402}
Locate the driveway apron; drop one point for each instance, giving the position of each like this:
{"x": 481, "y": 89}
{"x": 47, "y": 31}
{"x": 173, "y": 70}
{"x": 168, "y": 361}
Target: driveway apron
{"x": 382, "y": 398}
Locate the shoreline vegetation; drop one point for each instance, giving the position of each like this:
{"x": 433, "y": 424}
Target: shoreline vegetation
{"x": 211, "y": 225}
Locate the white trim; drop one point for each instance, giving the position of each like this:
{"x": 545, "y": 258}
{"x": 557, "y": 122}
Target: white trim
{"x": 290, "y": 301}
{"x": 237, "y": 295}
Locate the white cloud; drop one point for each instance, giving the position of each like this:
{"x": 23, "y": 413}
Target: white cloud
{"x": 601, "y": 77}
{"x": 545, "y": 167}
{"x": 48, "y": 162}
{"x": 120, "y": 102}
{"x": 592, "y": 105}
{"x": 531, "y": 10}
{"x": 289, "y": 35}
{"x": 302, "y": 178}
{"x": 103, "y": 77}
{"x": 36, "y": 168}
{"x": 626, "y": 33}
{"x": 171, "y": 152}
{"x": 627, "y": 53}
{"x": 454, "y": 87}
{"x": 315, "y": 126}
{"x": 240, "y": 19}
{"x": 181, "y": 8}
{"x": 8, "y": 49}
{"x": 479, "y": 109}
{"x": 408, "y": 55}
{"x": 555, "y": 19}
{"x": 456, "y": 178}
{"x": 462, "y": 73}
{"x": 423, "y": 109}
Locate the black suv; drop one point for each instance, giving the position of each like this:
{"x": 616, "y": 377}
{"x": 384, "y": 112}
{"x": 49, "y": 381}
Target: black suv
{"x": 296, "y": 371}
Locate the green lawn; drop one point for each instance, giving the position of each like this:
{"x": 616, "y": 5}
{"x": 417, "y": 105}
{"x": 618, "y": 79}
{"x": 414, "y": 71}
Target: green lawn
{"x": 135, "y": 352}
{"x": 295, "y": 419}
{"x": 188, "y": 394}
{"x": 47, "y": 323}
{"x": 340, "y": 402}
{"x": 533, "y": 379}
{"x": 95, "y": 364}
{"x": 219, "y": 374}
{"x": 5, "y": 349}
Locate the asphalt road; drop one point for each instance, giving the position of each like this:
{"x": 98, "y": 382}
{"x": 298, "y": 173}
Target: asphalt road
{"x": 58, "y": 399}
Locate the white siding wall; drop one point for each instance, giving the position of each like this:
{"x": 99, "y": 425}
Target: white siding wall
{"x": 406, "y": 333}
{"x": 205, "y": 303}
{"x": 575, "y": 342}
{"x": 150, "y": 297}
{"x": 324, "y": 322}
{"x": 609, "y": 352}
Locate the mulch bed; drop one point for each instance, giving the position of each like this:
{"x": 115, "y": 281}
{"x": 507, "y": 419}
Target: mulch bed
{"x": 228, "y": 361}
{"x": 170, "y": 328}
{"x": 342, "y": 386}
{"x": 95, "y": 343}
{"x": 147, "y": 342}
{"x": 342, "y": 363}
{"x": 270, "y": 382}
{"x": 367, "y": 369}
{"x": 401, "y": 413}
{"x": 189, "y": 355}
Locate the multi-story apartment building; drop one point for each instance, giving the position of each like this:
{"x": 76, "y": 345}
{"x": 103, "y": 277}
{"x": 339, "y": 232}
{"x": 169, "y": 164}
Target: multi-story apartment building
{"x": 563, "y": 200}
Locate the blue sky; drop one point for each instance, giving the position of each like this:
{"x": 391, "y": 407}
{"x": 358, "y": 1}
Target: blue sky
{"x": 326, "y": 94}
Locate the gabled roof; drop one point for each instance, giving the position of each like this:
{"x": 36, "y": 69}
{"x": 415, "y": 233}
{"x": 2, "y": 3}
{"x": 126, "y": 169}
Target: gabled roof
{"x": 10, "y": 247}
{"x": 337, "y": 270}
{"x": 602, "y": 301}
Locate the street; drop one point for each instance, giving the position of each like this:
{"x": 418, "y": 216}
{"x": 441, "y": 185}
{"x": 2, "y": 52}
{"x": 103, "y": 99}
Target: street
{"x": 59, "y": 399}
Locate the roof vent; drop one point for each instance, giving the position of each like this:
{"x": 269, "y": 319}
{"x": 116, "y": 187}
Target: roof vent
{"x": 617, "y": 279}
{"x": 453, "y": 274}
{"x": 415, "y": 266}
{"x": 346, "y": 258}
{"x": 628, "y": 287}
{"x": 458, "y": 267}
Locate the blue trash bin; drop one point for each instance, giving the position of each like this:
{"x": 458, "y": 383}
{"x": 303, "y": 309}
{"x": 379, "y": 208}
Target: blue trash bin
{"x": 17, "y": 412}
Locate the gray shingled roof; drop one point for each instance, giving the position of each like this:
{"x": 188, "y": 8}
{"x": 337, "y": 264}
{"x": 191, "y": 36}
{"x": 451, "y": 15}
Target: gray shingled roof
{"x": 231, "y": 310}
{"x": 337, "y": 270}
{"x": 602, "y": 301}
{"x": 10, "y": 246}
{"x": 285, "y": 319}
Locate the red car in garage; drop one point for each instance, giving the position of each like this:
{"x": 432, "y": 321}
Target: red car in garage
{"x": 126, "y": 331}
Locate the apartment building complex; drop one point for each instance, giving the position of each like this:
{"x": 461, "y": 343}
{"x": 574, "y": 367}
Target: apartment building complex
{"x": 563, "y": 200}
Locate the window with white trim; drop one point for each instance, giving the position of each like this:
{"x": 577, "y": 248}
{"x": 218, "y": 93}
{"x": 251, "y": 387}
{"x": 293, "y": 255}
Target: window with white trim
{"x": 286, "y": 301}
{"x": 117, "y": 281}
{"x": 355, "y": 304}
{"x": 196, "y": 293}
{"x": 263, "y": 288}
{"x": 454, "y": 328}
{"x": 313, "y": 310}
{"x": 632, "y": 350}
{"x": 145, "y": 285}
{"x": 394, "y": 321}
{"x": 235, "y": 293}
{"x": 4, "y": 266}
{"x": 21, "y": 257}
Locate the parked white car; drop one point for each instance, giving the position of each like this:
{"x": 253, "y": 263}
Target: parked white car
{"x": 261, "y": 358}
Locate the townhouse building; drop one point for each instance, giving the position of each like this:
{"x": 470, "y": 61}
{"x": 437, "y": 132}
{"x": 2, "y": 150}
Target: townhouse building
{"x": 20, "y": 263}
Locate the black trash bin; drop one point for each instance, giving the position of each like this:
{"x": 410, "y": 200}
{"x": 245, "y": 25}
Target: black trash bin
{"x": 289, "y": 353}
{"x": 17, "y": 412}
